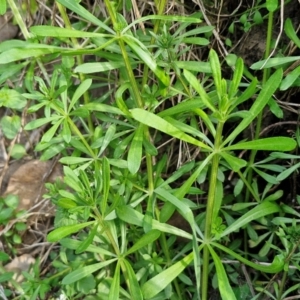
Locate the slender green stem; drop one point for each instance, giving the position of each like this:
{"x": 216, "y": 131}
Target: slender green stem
{"x": 16, "y": 12}
{"x": 210, "y": 209}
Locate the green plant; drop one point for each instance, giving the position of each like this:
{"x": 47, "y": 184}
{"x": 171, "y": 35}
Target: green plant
{"x": 113, "y": 212}
{"x": 8, "y": 214}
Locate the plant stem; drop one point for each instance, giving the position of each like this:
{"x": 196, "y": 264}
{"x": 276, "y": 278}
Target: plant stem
{"x": 210, "y": 209}
{"x": 19, "y": 20}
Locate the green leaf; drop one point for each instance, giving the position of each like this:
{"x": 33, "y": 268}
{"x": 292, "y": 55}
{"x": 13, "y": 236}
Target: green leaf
{"x": 145, "y": 240}
{"x": 69, "y": 160}
{"x": 97, "y": 67}
{"x": 66, "y": 203}
{"x": 40, "y": 122}
{"x": 266, "y": 93}
{"x": 131, "y": 216}
{"x": 247, "y": 94}
{"x": 285, "y": 174}
{"x": 274, "y": 62}
{"x": 59, "y": 233}
{"x": 158, "y": 123}
{"x": 187, "y": 167}
{"x": 109, "y": 136}
{"x": 85, "y": 244}
{"x": 191, "y": 130}
{"x": 224, "y": 286}
{"x": 236, "y": 80}
{"x": 235, "y": 163}
{"x": 59, "y": 32}
{"x": 3, "y": 7}
{"x": 74, "y": 244}
{"x": 135, "y": 150}
{"x": 103, "y": 108}
{"x": 199, "y": 89}
{"x": 135, "y": 290}
{"x": 12, "y": 99}
{"x": 24, "y": 53}
{"x": 146, "y": 57}
{"x": 196, "y": 41}
{"x": 263, "y": 209}
{"x": 216, "y": 71}
{"x": 159, "y": 282}
{"x": 81, "y": 89}
{"x": 10, "y": 126}
{"x": 267, "y": 144}
{"x": 290, "y": 32}
{"x": 106, "y": 184}
{"x": 18, "y": 151}
{"x": 149, "y": 147}
{"x": 275, "y": 267}
{"x": 267, "y": 177}
{"x": 85, "y": 271}
{"x": 183, "y": 207}
{"x": 196, "y": 66}
{"x": 241, "y": 206}
{"x": 65, "y": 133}
{"x": 271, "y": 5}
{"x": 49, "y": 134}
{"x": 290, "y": 78}
{"x": 81, "y": 11}
{"x": 114, "y": 290}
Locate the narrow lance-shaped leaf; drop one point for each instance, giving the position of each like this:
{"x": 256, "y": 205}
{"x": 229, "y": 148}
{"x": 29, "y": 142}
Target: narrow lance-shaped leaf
{"x": 266, "y": 93}
{"x": 3, "y": 7}
{"x": 85, "y": 271}
{"x": 81, "y": 11}
{"x": 267, "y": 144}
{"x": 274, "y": 62}
{"x": 103, "y": 108}
{"x": 145, "y": 240}
{"x": 115, "y": 285}
{"x": 199, "y": 89}
{"x": 237, "y": 76}
{"x": 81, "y": 89}
{"x": 134, "y": 287}
{"x": 283, "y": 175}
{"x": 160, "y": 124}
{"x": 263, "y": 209}
{"x": 223, "y": 282}
{"x": 247, "y": 94}
{"x": 95, "y": 67}
{"x": 290, "y": 78}
{"x": 106, "y": 184}
{"x": 135, "y": 150}
{"x": 21, "y": 53}
{"x": 235, "y": 163}
{"x": 159, "y": 282}
{"x": 43, "y": 30}
{"x": 59, "y": 233}
{"x": 146, "y": 57}
{"x": 290, "y": 32}
{"x": 216, "y": 71}
{"x": 109, "y": 135}
{"x": 275, "y": 267}
{"x": 88, "y": 241}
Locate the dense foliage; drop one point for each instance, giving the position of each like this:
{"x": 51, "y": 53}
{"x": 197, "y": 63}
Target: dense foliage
{"x": 172, "y": 189}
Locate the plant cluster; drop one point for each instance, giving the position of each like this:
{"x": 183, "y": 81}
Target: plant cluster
{"x": 118, "y": 121}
